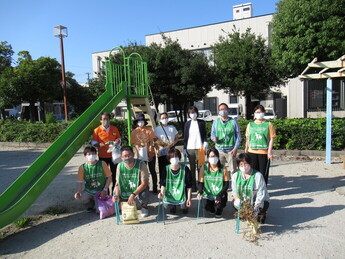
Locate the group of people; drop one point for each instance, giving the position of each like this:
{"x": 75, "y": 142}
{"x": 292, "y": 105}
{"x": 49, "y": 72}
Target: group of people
{"x": 178, "y": 179}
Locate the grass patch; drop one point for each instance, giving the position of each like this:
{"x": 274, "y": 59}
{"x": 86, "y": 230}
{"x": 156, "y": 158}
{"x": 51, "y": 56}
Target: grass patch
{"x": 22, "y": 222}
{"x": 55, "y": 210}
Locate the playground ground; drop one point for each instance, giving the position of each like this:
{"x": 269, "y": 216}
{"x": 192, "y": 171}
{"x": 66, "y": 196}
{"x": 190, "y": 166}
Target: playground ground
{"x": 305, "y": 219}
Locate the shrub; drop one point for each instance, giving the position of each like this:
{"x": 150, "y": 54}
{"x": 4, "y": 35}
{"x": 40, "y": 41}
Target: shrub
{"x": 298, "y": 134}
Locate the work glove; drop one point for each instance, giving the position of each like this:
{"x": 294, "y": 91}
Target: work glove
{"x": 237, "y": 203}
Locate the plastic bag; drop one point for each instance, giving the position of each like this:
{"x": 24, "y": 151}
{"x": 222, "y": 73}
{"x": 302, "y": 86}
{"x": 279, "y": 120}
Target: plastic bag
{"x": 142, "y": 154}
{"x": 129, "y": 213}
{"x": 105, "y": 206}
{"x": 115, "y": 153}
{"x": 201, "y": 156}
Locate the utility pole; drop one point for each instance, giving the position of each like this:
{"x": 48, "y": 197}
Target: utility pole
{"x": 88, "y": 77}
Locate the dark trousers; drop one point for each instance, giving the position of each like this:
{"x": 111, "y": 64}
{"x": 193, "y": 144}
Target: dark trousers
{"x": 162, "y": 163}
{"x": 212, "y": 204}
{"x": 260, "y": 162}
{"x": 113, "y": 167}
{"x": 152, "y": 169}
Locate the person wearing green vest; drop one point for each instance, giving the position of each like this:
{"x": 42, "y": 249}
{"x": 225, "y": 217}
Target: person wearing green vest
{"x": 248, "y": 184}
{"x": 176, "y": 183}
{"x": 213, "y": 183}
{"x": 260, "y": 136}
{"x": 226, "y": 135}
{"x": 93, "y": 176}
{"x": 132, "y": 180}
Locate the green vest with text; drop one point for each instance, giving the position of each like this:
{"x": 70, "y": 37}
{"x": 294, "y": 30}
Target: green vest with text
{"x": 128, "y": 179}
{"x": 258, "y": 135}
{"x": 175, "y": 186}
{"x": 245, "y": 187}
{"x": 94, "y": 177}
{"x": 213, "y": 182}
{"x": 225, "y": 133}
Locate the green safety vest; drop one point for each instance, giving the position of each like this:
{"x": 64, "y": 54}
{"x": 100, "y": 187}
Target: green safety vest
{"x": 94, "y": 177}
{"x": 175, "y": 186}
{"x": 213, "y": 182}
{"x": 225, "y": 133}
{"x": 258, "y": 135}
{"x": 245, "y": 187}
{"x": 128, "y": 179}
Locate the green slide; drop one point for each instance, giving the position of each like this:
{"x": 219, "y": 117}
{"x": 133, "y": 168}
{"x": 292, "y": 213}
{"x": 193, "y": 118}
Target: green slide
{"x": 17, "y": 198}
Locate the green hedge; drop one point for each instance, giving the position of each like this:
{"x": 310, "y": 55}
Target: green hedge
{"x": 300, "y": 134}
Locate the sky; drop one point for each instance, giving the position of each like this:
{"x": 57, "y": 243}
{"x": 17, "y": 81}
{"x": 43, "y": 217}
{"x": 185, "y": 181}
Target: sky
{"x": 95, "y": 26}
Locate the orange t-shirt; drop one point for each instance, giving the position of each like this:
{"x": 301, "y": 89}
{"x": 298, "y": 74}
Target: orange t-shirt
{"x": 144, "y": 135}
{"x": 102, "y": 136}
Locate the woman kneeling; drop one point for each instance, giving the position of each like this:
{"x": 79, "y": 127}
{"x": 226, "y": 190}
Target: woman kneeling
{"x": 213, "y": 183}
{"x": 249, "y": 185}
{"x": 176, "y": 183}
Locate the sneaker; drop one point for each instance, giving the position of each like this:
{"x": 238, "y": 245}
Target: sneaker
{"x": 219, "y": 213}
{"x": 144, "y": 212}
{"x": 173, "y": 209}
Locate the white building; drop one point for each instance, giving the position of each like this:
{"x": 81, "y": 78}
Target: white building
{"x": 294, "y": 100}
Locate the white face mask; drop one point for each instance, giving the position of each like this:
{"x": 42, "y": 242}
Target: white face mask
{"x": 164, "y": 121}
{"x": 245, "y": 169}
{"x": 174, "y": 161}
{"x": 141, "y": 123}
{"x": 193, "y": 115}
{"x": 213, "y": 160}
{"x": 259, "y": 115}
{"x": 91, "y": 158}
{"x": 223, "y": 113}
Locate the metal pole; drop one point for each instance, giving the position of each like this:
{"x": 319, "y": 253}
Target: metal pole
{"x": 329, "y": 122}
{"x": 63, "y": 78}
{"x": 129, "y": 120}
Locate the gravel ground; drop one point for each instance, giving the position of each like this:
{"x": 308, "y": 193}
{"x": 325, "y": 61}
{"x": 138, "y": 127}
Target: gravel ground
{"x": 305, "y": 219}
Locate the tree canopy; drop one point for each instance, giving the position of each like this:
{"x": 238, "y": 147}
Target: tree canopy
{"x": 37, "y": 80}
{"x": 305, "y": 29}
{"x": 179, "y": 76}
{"x": 176, "y": 76}
{"x": 244, "y": 66}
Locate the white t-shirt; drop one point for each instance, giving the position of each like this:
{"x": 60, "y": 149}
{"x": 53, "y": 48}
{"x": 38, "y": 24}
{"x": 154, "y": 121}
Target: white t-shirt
{"x": 171, "y": 132}
{"x": 194, "y": 139}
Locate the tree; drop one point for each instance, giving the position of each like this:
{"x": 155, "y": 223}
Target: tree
{"x": 97, "y": 85}
{"x": 305, "y": 29}
{"x": 244, "y": 66}
{"x": 79, "y": 97}
{"x": 37, "y": 80}
{"x": 7, "y": 92}
{"x": 176, "y": 76}
{"x": 6, "y": 53}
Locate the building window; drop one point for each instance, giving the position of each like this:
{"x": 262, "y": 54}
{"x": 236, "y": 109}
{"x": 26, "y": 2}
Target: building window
{"x": 317, "y": 95}
{"x": 233, "y": 99}
{"x": 210, "y": 103}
